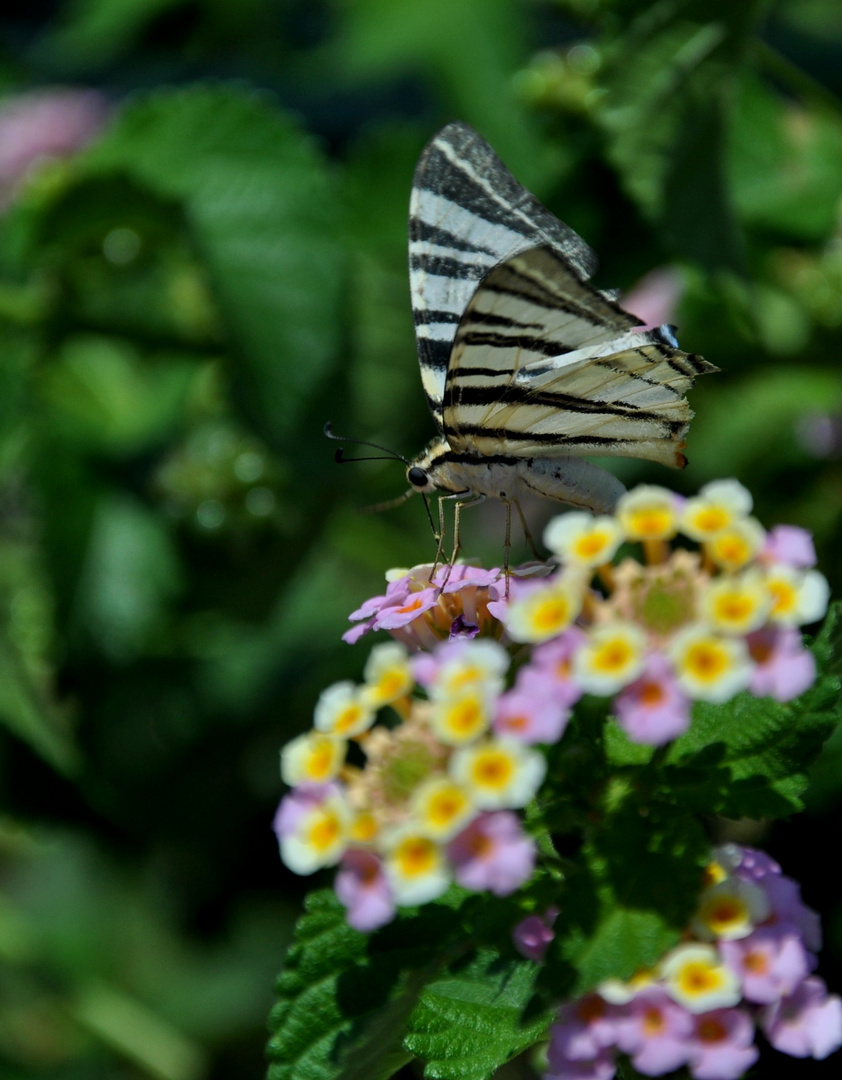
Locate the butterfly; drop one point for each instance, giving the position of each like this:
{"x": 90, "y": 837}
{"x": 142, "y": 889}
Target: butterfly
{"x": 526, "y": 367}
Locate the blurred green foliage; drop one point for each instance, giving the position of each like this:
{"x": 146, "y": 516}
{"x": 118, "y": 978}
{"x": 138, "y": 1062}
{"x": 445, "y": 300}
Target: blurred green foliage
{"x": 187, "y": 299}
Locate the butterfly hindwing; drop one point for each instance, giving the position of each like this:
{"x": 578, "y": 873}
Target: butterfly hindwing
{"x": 467, "y": 215}
{"x": 544, "y": 365}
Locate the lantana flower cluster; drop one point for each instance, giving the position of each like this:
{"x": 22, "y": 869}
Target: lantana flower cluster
{"x": 432, "y": 796}
{"x": 680, "y": 626}
{"x": 413, "y": 779}
{"x": 746, "y": 963}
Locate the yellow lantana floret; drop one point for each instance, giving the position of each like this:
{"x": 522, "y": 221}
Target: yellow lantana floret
{"x": 320, "y": 837}
{"x": 648, "y": 512}
{"x": 461, "y": 718}
{"x": 612, "y": 657}
{"x": 710, "y": 666}
{"x": 581, "y": 539}
{"x": 415, "y": 867}
{"x": 617, "y": 992}
{"x": 498, "y": 774}
{"x": 387, "y": 674}
{"x": 545, "y": 611}
{"x": 343, "y": 709}
{"x": 695, "y": 977}
{"x": 736, "y": 605}
{"x": 717, "y": 506}
{"x": 312, "y": 758}
{"x": 798, "y": 596}
{"x": 730, "y": 910}
{"x": 479, "y": 665}
{"x": 736, "y": 545}
{"x": 441, "y": 808}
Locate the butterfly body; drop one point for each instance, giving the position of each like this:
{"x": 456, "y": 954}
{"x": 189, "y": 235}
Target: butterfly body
{"x": 526, "y": 366}
{"x": 574, "y": 481}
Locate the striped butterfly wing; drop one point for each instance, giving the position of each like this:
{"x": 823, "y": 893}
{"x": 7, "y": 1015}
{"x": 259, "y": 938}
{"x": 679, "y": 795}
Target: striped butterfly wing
{"x": 544, "y": 365}
{"x": 467, "y": 215}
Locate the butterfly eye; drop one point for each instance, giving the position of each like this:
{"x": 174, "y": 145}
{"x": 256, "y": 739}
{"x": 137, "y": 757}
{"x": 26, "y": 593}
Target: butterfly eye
{"x": 417, "y": 477}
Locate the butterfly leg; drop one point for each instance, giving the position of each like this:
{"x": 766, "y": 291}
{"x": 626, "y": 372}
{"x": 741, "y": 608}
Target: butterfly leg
{"x": 527, "y": 535}
{"x": 460, "y": 502}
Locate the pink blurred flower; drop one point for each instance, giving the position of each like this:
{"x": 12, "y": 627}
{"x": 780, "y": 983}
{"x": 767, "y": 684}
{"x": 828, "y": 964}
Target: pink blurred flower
{"x": 362, "y": 887}
{"x": 788, "y": 909}
{"x": 789, "y": 544}
{"x": 601, "y": 1067}
{"x": 492, "y": 853}
{"x": 784, "y": 668}
{"x": 654, "y": 1032}
{"x": 45, "y": 124}
{"x": 771, "y": 963}
{"x": 750, "y": 863}
{"x": 722, "y": 1044}
{"x": 298, "y": 802}
{"x": 551, "y": 667}
{"x": 808, "y": 1023}
{"x": 584, "y": 1028}
{"x": 653, "y": 710}
{"x": 655, "y": 296}
{"x": 530, "y": 717}
{"x": 533, "y": 934}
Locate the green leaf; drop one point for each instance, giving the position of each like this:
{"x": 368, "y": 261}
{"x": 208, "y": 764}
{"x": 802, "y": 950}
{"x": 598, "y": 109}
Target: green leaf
{"x": 785, "y": 167}
{"x": 429, "y": 36}
{"x": 131, "y": 572}
{"x": 344, "y": 996}
{"x": 28, "y": 710}
{"x": 749, "y": 757}
{"x": 263, "y": 208}
{"x": 471, "y": 1022}
{"x": 668, "y": 80}
{"x": 619, "y": 917}
{"x": 96, "y": 32}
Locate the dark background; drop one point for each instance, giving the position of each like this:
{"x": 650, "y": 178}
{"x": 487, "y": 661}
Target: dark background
{"x": 203, "y": 259}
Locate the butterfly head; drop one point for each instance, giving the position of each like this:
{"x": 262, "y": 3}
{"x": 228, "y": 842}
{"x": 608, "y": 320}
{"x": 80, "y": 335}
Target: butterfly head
{"x": 425, "y": 472}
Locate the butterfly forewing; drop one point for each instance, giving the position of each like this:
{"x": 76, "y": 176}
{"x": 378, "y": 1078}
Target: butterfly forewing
{"x": 543, "y": 365}
{"x": 467, "y": 215}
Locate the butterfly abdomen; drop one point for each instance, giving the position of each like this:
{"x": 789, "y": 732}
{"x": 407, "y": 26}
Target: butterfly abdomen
{"x": 570, "y": 480}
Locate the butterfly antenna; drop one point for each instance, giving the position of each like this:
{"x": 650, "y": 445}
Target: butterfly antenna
{"x": 341, "y": 459}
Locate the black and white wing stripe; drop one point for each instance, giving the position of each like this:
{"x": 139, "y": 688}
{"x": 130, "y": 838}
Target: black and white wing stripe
{"x": 543, "y": 365}
{"x": 467, "y": 215}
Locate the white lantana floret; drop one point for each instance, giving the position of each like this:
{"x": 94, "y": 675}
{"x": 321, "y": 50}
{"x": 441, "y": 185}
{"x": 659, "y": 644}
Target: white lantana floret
{"x": 710, "y": 666}
{"x": 580, "y": 539}
{"x": 498, "y": 774}
{"x": 343, "y": 709}
{"x": 718, "y": 505}
{"x": 312, "y": 758}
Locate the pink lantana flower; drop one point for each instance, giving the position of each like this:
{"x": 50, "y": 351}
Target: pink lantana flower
{"x": 551, "y": 667}
{"x": 808, "y": 1023}
{"x": 750, "y": 863}
{"x": 419, "y": 607}
{"x": 785, "y": 669}
{"x": 493, "y": 853}
{"x": 770, "y": 963}
{"x": 722, "y": 1045}
{"x": 653, "y": 709}
{"x": 583, "y": 1029}
{"x": 789, "y": 544}
{"x": 530, "y": 718}
{"x": 533, "y": 934}
{"x": 363, "y": 888}
{"x": 654, "y": 1032}
{"x": 601, "y": 1067}
{"x": 788, "y": 909}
